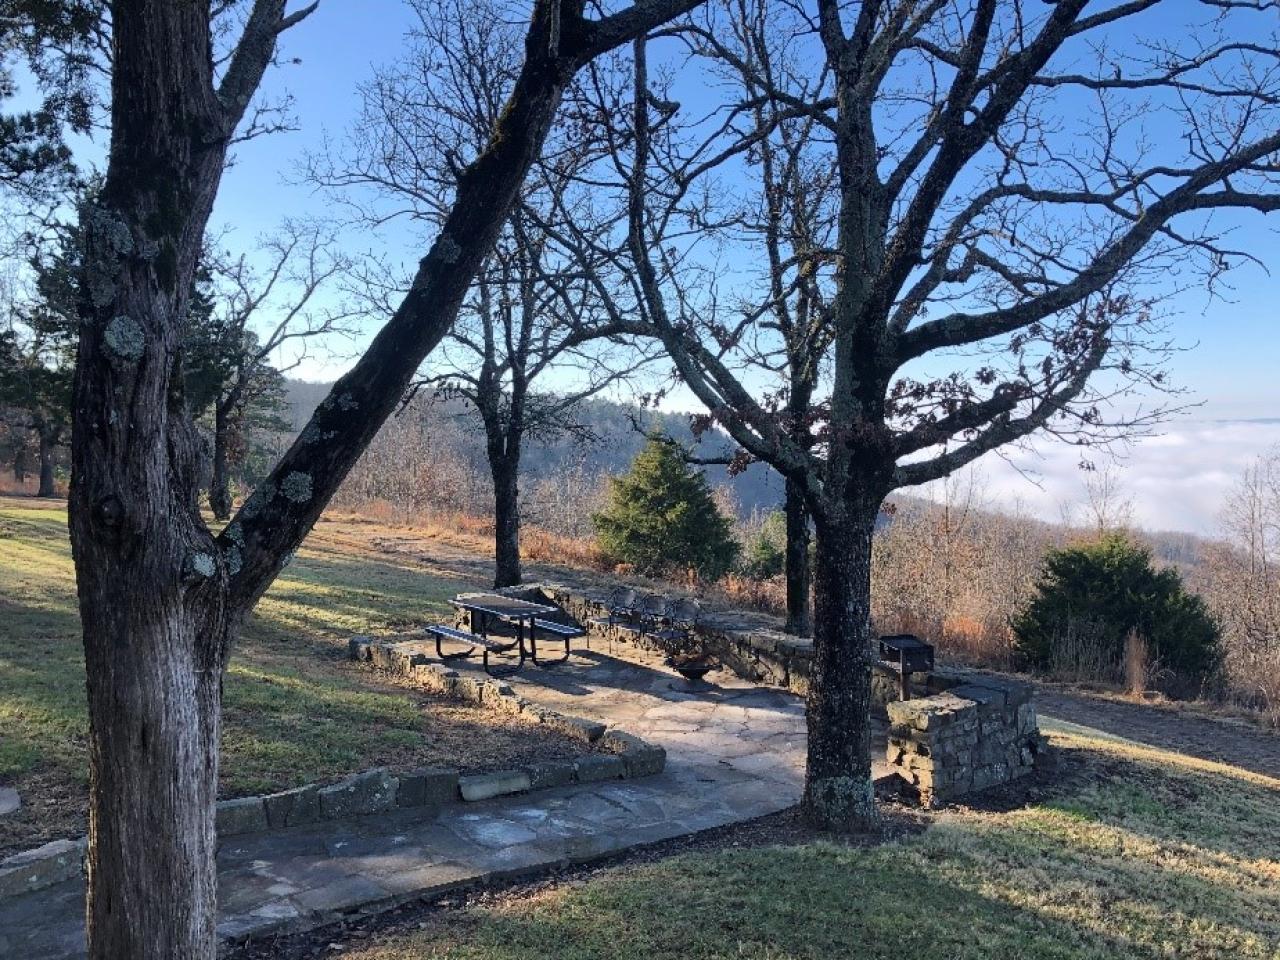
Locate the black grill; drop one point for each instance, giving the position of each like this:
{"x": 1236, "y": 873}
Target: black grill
{"x": 909, "y": 654}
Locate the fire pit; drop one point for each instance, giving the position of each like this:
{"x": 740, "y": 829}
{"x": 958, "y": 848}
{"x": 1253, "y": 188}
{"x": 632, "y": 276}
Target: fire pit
{"x": 908, "y": 654}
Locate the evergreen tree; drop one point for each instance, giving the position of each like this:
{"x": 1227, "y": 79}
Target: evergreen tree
{"x": 661, "y": 515}
{"x": 765, "y": 555}
{"x": 1111, "y": 585}
{"x": 56, "y": 43}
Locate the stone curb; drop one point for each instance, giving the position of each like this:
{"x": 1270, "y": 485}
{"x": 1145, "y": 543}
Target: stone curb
{"x": 358, "y": 901}
{"x": 625, "y": 756}
{"x": 377, "y": 790}
{"x": 42, "y": 867}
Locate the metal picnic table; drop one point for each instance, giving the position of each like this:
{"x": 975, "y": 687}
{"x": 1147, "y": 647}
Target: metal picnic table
{"x": 484, "y": 608}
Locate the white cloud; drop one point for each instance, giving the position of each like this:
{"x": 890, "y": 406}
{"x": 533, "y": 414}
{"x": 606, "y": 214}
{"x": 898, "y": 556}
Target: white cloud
{"x": 1177, "y": 481}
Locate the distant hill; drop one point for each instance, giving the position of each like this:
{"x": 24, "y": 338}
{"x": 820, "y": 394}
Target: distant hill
{"x": 615, "y": 442}
{"x": 607, "y": 444}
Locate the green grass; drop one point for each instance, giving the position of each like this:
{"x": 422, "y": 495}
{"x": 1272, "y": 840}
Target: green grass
{"x": 1139, "y": 854}
{"x": 295, "y": 711}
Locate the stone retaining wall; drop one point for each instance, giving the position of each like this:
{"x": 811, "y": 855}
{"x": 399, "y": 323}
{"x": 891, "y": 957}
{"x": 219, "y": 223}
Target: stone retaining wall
{"x": 761, "y": 656}
{"x": 963, "y": 731}
{"x": 981, "y": 732}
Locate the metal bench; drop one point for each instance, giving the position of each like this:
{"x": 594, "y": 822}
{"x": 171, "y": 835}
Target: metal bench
{"x": 679, "y": 622}
{"x": 622, "y": 613}
{"x": 652, "y": 611}
{"x": 561, "y": 631}
{"x": 622, "y": 610}
{"x": 442, "y": 632}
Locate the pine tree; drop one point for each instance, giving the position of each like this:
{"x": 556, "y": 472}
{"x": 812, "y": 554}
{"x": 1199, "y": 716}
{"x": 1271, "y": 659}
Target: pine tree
{"x": 661, "y": 515}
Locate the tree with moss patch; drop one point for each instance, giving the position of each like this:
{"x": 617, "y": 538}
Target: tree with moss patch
{"x": 1111, "y": 584}
{"x": 661, "y": 515}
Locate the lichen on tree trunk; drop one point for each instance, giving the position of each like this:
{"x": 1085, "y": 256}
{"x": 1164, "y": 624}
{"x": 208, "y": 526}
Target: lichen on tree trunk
{"x": 838, "y": 793}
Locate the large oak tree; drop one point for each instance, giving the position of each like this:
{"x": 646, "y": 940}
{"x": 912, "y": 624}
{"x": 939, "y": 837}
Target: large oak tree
{"x": 1012, "y": 177}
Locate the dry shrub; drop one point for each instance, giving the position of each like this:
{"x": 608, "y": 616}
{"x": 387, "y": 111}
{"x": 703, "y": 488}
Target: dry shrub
{"x": 985, "y": 641}
{"x": 1082, "y": 653}
{"x": 740, "y": 590}
{"x": 382, "y": 511}
{"x": 1268, "y": 682}
{"x": 473, "y": 526}
{"x": 542, "y": 546}
{"x": 1137, "y": 664}
{"x": 12, "y": 488}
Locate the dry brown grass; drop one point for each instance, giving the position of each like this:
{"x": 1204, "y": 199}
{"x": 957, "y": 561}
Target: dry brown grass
{"x": 1137, "y": 664}
{"x": 543, "y": 546}
{"x": 767, "y": 595}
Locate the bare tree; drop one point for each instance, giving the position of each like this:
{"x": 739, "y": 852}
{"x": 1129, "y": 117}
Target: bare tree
{"x": 533, "y": 316}
{"x": 523, "y": 323}
{"x": 1108, "y": 508}
{"x": 1242, "y": 582}
{"x": 161, "y": 595}
{"x": 785, "y": 207}
{"x": 261, "y": 320}
{"x": 978, "y": 228}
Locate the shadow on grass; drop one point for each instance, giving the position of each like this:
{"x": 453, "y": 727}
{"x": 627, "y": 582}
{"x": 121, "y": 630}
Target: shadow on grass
{"x": 817, "y": 902}
{"x": 294, "y": 713}
{"x": 1097, "y": 872}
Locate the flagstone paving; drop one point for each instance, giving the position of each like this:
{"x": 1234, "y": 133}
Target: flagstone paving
{"x": 734, "y": 751}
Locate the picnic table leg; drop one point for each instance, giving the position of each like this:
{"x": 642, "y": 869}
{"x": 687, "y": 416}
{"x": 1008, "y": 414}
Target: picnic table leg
{"x": 452, "y": 656}
{"x": 504, "y": 671}
{"x": 533, "y": 645}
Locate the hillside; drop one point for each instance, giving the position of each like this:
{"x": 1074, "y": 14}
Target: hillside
{"x": 606, "y": 442}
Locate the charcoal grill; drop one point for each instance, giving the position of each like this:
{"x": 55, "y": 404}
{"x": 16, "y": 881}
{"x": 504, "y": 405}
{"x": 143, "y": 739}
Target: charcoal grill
{"x": 908, "y": 654}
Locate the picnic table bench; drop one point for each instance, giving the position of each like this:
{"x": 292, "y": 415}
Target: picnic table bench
{"x": 526, "y": 616}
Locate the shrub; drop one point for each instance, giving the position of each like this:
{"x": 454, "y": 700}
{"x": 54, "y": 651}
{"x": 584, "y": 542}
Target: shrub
{"x": 1112, "y": 586}
{"x": 765, "y": 555}
{"x": 661, "y": 515}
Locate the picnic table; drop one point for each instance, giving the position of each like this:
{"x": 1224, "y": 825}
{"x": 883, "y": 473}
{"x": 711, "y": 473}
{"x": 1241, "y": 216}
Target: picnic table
{"x": 484, "y": 608}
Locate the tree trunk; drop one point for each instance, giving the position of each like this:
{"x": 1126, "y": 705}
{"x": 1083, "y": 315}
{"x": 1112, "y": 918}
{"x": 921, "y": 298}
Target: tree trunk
{"x": 506, "y": 516}
{"x": 151, "y": 580}
{"x": 219, "y": 483}
{"x": 799, "y": 615}
{"x": 159, "y": 594}
{"x": 46, "y": 466}
{"x": 20, "y": 462}
{"x": 837, "y": 793}
{"x": 153, "y": 742}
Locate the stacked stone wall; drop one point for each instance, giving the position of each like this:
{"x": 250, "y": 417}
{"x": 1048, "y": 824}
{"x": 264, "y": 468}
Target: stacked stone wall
{"x": 962, "y": 731}
{"x": 978, "y": 734}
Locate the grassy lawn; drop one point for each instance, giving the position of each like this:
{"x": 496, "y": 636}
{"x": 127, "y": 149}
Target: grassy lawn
{"x": 296, "y": 710}
{"x": 1140, "y": 853}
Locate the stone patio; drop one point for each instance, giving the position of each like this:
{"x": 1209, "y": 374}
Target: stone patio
{"x": 734, "y": 751}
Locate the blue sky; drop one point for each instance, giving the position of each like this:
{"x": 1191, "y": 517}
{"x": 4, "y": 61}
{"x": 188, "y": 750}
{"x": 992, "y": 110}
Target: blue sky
{"x": 1233, "y": 345}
